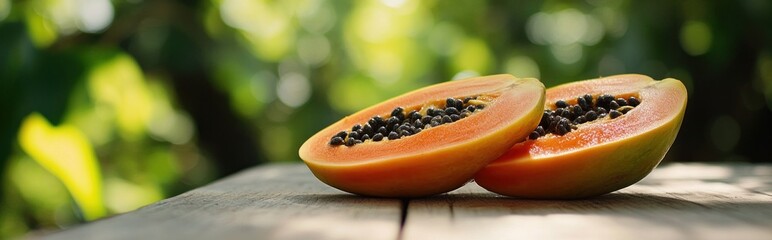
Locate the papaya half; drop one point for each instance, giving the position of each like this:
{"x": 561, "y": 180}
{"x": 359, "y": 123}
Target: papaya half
{"x": 428, "y": 141}
{"x": 596, "y": 136}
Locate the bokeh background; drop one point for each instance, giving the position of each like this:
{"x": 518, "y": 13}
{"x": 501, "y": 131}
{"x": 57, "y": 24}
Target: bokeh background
{"x": 108, "y": 105}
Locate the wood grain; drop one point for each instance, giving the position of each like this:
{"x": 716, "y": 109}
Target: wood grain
{"x": 676, "y": 202}
{"x": 271, "y": 202}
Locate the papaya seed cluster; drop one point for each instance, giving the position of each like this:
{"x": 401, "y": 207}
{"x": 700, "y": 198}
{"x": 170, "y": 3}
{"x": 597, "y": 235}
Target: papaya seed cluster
{"x": 401, "y": 124}
{"x": 566, "y": 117}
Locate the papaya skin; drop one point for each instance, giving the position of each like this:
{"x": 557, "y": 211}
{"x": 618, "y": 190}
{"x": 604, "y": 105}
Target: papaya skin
{"x": 527, "y": 171}
{"x": 427, "y": 167}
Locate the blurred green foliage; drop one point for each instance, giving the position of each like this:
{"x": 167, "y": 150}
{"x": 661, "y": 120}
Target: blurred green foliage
{"x": 108, "y": 105}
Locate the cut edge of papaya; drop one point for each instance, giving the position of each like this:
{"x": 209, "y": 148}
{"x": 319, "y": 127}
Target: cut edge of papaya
{"x": 438, "y": 159}
{"x": 603, "y": 156}
{"x": 436, "y": 138}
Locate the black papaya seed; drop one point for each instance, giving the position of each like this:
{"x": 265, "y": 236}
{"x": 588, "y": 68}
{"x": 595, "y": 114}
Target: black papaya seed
{"x": 541, "y": 131}
{"x": 604, "y": 100}
{"x": 373, "y": 122}
{"x": 545, "y": 119}
{"x": 613, "y": 105}
{"x": 383, "y": 130}
{"x": 580, "y": 119}
{"x": 405, "y": 133}
{"x": 566, "y": 117}
{"x": 416, "y": 116}
{"x": 450, "y": 102}
{"x": 446, "y": 119}
{"x": 341, "y": 134}
{"x": 564, "y": 121}
{"x": 435, "y": 112}
{"x": 625, "y": 109}
{"x": 367, "y": 128}
{"x": 553, "y": 124}
{"x": 426, "y": 119}
{"x": 353, "y": 135}
{"x": 614, "y": 114}
{"x": 582, "y": 103}
{"x": 378, "y": 137}
{"x": 393, "y": 135}
{"x": 621, "y": 102}
{"x": 430, "y": 112}
{"x": 566, "y": 114}
{"x": 533, "y": 135}
{"x": 588, "y": 99}
{"x": 561, "y": 104}
{"x": 451, "y": 111}
{"x": 632, "y": 101}
{"x": 559, "y": 111}
{"x": 591, "y": 116}
{"x": 578, "y": 110}
{"x": 336, "y": 141}
{"x": 418, "y": 124}
{"x": 392, "y": 121}
{"x": 398, "y": 112}
{"x": 561, "y": 130}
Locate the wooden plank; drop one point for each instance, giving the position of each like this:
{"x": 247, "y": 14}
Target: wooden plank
{"x": 683, "y": 201}
{"x": 754, "y": 177}
{"x": 271, "y": 202}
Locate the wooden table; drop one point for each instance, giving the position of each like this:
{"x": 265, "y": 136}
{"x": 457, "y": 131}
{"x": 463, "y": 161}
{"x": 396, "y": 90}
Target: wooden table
{"x": 677, "y": 201}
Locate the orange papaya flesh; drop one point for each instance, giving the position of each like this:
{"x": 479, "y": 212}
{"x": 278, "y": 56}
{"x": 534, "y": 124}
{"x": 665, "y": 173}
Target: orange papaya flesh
{"x": 437, "y": 159}
{"x": 597, "y": 157}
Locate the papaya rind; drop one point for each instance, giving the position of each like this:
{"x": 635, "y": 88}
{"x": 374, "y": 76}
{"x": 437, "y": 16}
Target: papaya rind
{"x": 589, "y": 171}
{"x": 431, "y": 171}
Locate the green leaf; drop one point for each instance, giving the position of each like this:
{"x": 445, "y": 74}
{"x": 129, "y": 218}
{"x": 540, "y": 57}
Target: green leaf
{"x": 67, "y": 154}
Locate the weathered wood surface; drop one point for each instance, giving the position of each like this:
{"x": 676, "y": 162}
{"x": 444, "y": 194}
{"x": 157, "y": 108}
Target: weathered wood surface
{"x": 274, "y": 202}
{"x": 677, "y": 201}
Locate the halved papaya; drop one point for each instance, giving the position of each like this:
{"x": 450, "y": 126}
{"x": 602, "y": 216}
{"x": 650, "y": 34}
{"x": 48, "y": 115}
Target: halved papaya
{"x": 431, "y": 140}
{"x": 578, "y": 154}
